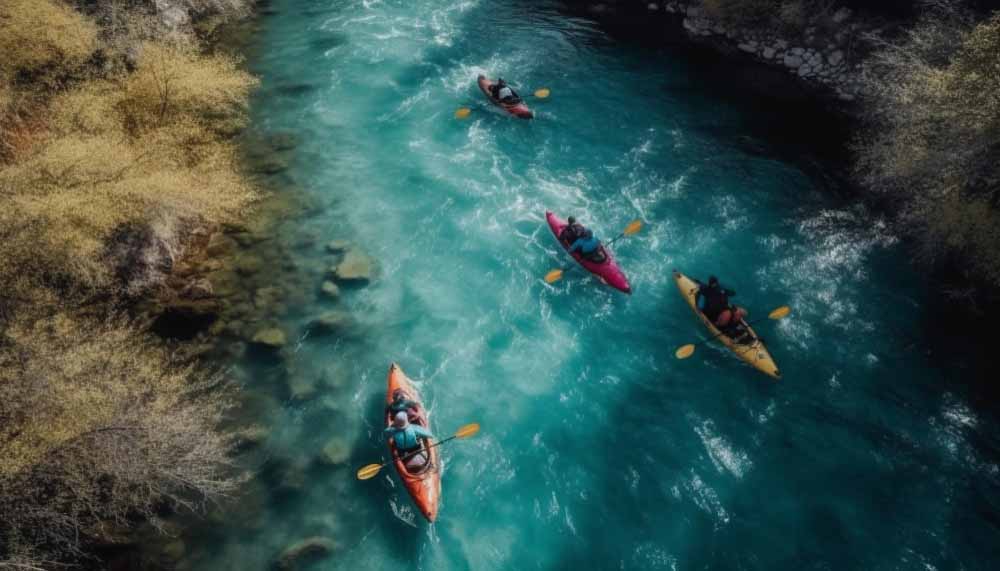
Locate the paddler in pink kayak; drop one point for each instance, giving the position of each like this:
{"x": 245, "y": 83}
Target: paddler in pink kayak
{"x": 583, "y": 239}
{"x": 503, "y": 92}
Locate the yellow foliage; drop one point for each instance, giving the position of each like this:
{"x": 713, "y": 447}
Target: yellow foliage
{"x": 174, "y": 83}
{"x": 43, "y": 36}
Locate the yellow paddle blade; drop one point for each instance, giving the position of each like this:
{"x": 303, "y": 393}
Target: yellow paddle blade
{"x": 685, "y": 352}
{"x": 543, "y": 93}
{"x": 463, "y": 113}
{"x": 369, "y": 471}
{"x": 553, "y": 276}
{"x": 780, "y": 312}
{"x": 633, "y": 227}
{"x": 467, "y": 430}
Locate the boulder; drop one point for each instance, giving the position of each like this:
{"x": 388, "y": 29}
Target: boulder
{"x": 841, "y": 15}
{"x": 311, "y": 548}
{"x": 835, "y": 57}
{"x": 330, "y": 290}
{"x": 335, "y": 453}
{"x": 768, "y": 52}
{"x": 331, "y": 322}
{"x": 300, "y": 388}
{"x": 356, "y": 267}
{"x": 271, "y": 338}
{"x": 792, "y": 61}
{"x": 220, "y": 245}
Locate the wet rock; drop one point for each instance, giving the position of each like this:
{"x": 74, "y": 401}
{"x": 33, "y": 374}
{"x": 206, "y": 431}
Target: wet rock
{"x": 301, "y": 388}
{"x": 336, "y": 452}
{"x": 337, "y": 246}
{"x": 309, "y": 549}
{"x": 356, "y": 268}
{"x": 330, "y": 290}
{"x": 271, "y": 338}
{"x": 330, "y": 323}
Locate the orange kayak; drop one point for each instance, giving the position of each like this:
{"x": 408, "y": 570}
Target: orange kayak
{"x": 424, "y": 486}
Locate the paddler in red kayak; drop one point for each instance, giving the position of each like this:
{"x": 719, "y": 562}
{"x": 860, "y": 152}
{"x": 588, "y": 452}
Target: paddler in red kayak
{"x": 583, "y": 239}
{"x": 407, "y": 438}
{"x": 501, "y": 91}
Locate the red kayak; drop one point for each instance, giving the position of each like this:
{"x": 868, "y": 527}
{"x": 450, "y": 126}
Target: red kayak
{"x": 518, "y": 109}
{"x": 607, "y": 271}
{"x": 424, "y": 485}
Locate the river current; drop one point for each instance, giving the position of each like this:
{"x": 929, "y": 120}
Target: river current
{"x": 599, "y": 449}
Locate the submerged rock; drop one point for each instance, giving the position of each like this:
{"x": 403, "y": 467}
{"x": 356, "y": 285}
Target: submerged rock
{"x": 331, "y": 322}
{"x": 300, "y": 388}
{"x": 356, "y": 267}
{"x": 272, "y": 338}
{"x": 330, "y": 290}
{"x": 311, "y": 548}
{"x": 335, "y": 452}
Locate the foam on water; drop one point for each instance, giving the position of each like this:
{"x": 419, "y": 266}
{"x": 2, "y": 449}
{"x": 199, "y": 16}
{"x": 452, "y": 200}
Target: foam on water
{"x": 598, "y": 447}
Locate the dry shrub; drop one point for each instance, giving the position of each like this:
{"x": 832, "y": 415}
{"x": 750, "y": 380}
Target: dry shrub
{"x": 934, "y": 135}
{"x": 43, "y": 39}
{"x": 100, "y": 426}
{"x": 174, "y": 83}
{"x": 141, "y": 149}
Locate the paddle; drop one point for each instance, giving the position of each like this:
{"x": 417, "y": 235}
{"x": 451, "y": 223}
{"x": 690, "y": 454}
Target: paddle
{"x": 368, "y": 472}
{"x": 464, "y": 112}
{"x": 633, "y": 227}
{"x": 688, "y": 350}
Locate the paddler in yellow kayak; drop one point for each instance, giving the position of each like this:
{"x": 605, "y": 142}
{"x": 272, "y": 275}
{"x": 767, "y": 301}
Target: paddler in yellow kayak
{"x": 713, "y": 301}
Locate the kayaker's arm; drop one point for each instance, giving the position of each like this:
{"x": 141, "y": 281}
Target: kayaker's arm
{"x": 422, "y": 432}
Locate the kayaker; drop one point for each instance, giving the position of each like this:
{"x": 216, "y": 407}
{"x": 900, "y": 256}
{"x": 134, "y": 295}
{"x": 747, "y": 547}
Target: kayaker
{"x": 406, "y": 437}
{"x": 589, "y": 246}
{"x": 503, "y": 92}
{"x": 713, "y": 301}
{"x": 571, "y": 231}
{"x": 402, "y": 404}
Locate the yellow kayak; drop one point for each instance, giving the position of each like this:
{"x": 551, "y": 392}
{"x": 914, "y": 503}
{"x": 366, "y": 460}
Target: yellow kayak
{"x": 755, "y": 353}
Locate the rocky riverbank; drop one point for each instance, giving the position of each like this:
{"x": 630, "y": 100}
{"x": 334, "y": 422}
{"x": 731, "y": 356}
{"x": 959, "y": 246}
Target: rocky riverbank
{"x": 822, "y": 50}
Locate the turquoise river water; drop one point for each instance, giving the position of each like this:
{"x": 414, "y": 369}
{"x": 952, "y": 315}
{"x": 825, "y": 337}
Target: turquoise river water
{"x": 598, "y": 448}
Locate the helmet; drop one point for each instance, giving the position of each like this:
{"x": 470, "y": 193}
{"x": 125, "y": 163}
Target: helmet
{"x": 501, "y": 82}
{"x": 571, "y": 221}
{"x": 713, "y": 281}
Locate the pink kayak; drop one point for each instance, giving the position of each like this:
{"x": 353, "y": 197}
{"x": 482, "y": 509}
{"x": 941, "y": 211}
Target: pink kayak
{"x": 518, "y": 109}
{"x": 607, "y": 271}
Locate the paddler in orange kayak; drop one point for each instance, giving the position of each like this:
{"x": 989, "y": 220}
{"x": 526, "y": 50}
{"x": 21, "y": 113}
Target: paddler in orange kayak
{"x": 407, "y": 437}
